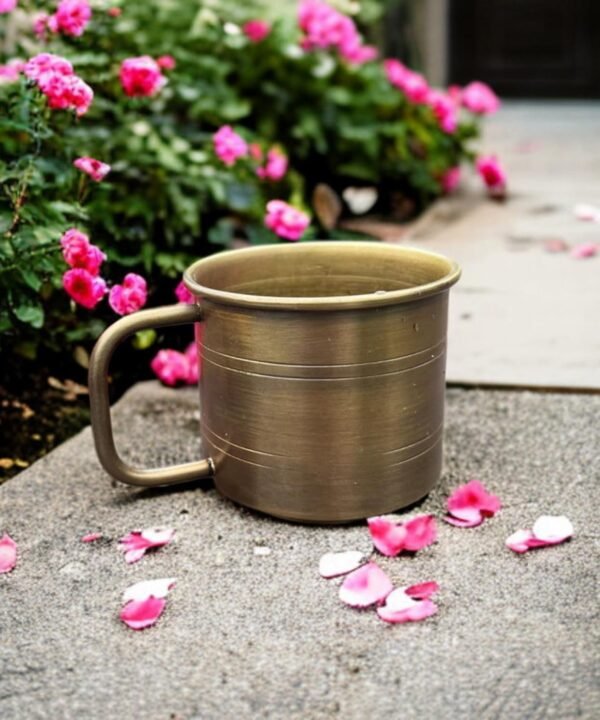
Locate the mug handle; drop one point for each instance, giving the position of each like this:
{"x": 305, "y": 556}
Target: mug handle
{"x": 100, "y": 405}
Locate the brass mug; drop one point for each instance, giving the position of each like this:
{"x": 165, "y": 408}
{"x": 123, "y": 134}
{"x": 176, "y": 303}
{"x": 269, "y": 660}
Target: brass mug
{"x": 323, "y": 377}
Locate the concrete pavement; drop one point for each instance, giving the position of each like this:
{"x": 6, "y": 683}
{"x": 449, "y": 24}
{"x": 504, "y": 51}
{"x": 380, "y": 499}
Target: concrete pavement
{"x": 263, "y": 636}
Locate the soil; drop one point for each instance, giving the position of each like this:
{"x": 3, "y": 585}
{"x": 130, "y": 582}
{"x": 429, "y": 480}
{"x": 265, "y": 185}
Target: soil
{"x": 41, "y": 406}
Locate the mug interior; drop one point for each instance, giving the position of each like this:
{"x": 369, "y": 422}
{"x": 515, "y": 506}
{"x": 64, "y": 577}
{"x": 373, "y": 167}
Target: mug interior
{"x": 322, "y": 271}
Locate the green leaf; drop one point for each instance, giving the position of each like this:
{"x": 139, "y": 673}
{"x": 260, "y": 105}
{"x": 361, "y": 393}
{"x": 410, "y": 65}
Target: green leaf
{"x": 31, "y": 314}
{"x": 143, "y": 339}
{"x": 31, "y": 278}
{"x": 222, "y": 233}
{"x": 241, "y": 196}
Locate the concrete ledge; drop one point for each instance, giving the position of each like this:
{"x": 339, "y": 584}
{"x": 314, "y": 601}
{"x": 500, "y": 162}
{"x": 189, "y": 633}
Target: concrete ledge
{"x": 247, "y": 636}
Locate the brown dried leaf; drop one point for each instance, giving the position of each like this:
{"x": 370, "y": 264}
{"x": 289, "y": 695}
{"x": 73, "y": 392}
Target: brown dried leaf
{"x": 327, "y": 205}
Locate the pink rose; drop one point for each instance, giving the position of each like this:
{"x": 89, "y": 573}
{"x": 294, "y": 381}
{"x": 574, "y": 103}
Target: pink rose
{"x": 7, "y": 6}
{"x": 229, "y": 146}
{"x": 170, "y": 366}
{"x": 173, "y": 367}
{"x": 356, "y": 53}
{"x": 66, "y": 92}
{"x": 130, "y": 296}
{"x": 166, "y": 62}
{"x": 286, "y": 221}
{"x": 444, "y": 109}
{"x": 72, "y": 16}
{"x": 493, "y": 175}
{"x": 79, "y": 253}
{"x": 415, "y": 87}
{"x": 10, "y": 72}
{"x": 255, "y": 152}
{"x": 395, "y": 72}
{"x": 45, "y": 63}
{"x": 275, "y": 167}
{"x": 94, "y": 168}
{"x": 412, "y": 84}
{"x": 480, "y": 98}
{"x": 141, "y": 76}
{"x": 323, "y": 27}
{"x": 40, "y": 25}
{"x": 83, "y": 287}
{"x": 450, "y": 179}
{"x": 184, "y": 295}
{"x": 256, "y": 30}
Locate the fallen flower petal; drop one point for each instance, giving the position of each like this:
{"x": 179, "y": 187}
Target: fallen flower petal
{"x": 422, "y": 591}
{"x": 418, "y": 611}
{"x": 392, "y": 538}
{"x": 555, "y": 245}
{"x": 469, "y": 504}
{"x": 589, "y": 213}
{"x": 388, "y": 537}
{"x": 334, "y": 564}
{"x": 158, "y": 588}
{"x": 365, "y": 586}
{"x": 471, "y": 518}
{"x": 137, "y": 542}
{"x": 519, "y": 541}
{"x": 140, "y": 614}
{"x": 552, "y": 528}
{"x": 399, "y": 600}
{"x": 584, "y": 250}
{"x": 8, "y": 553}
{"x": 91, "y": 537}
{"x": 547, "y": 530}
{"x": 420, "y": 532}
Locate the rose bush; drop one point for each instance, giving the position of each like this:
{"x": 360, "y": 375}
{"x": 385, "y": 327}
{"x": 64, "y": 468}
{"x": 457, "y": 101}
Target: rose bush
{"x": 140, "y": 136}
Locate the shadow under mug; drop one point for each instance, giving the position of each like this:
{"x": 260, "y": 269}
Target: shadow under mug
{"x": 323, "y": 377}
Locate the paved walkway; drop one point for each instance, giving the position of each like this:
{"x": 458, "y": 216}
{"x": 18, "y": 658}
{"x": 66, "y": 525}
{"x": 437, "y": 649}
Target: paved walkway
{"x": 521, "y": 316}
{"x": 249, "y": 635}
{"x": 262, "y": 636}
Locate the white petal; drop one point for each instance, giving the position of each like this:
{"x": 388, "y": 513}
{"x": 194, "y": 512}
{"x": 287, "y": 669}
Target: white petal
{"x": 158, "y": 588}
{"x": 340, "y": 563}
{"x": 552, "y": 528}
{"x": 398, "y": 600}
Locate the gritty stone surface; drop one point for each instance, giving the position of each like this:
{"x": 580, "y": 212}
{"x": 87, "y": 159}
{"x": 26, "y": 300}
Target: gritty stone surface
{"x": 521, "y": 316}
{"x": 250, "y": 634}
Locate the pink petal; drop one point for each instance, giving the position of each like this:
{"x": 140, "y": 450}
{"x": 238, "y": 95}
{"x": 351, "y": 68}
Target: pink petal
{"x": 137, "y": 542}
{"x": 469, "y": 500}
{"x": 140, "y": 614}
{"x": 419, "y": 611}
{"x": 519, "y": 541}
{"x": 366, "y": 586}
{"x": 589, "y": 213}
{"x": 422, "y": 591}
{"x": 399, "y": 600}
{"x": 476, "y": 518}
{"x": 340, "y": 563}
{"x": 91, "y": 537}
{"x": 132, "y": 556}
{"x": 158, "y": 536}
{"x": 584, "y": 250}
{"x": 524, "y": 540}
{"x": 420, "y": 532}
{"x": 158, "y": 588}
{"x": 388, "y": 537}
{"x": 552, "y": 529}
{"x": 8, "y": 553}
{"x": 555, "y": 245}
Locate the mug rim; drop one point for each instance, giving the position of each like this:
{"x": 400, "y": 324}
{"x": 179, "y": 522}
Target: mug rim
{"x": 333, "y": 302}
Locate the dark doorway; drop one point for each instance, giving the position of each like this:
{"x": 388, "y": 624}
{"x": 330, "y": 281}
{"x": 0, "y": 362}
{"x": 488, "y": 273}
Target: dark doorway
{"x": 527, "y": 48}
